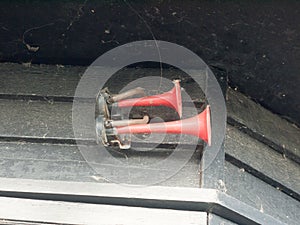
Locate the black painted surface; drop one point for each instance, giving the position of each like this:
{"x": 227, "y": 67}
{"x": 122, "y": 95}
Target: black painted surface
{"x": 42, "y": 161}
{"x": 263, "y": 125}
{"x": 217, "y": 220}
{"x": 263, "y": 162}
{"x": 258, "y": 194}
{"x": 256, "y": 43}
{"x": 254, "y": 173}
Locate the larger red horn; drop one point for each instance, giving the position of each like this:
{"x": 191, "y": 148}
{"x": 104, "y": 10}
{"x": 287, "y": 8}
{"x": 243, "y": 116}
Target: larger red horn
{"x": 171, "y": 99}
{"x": 198, "y": 126}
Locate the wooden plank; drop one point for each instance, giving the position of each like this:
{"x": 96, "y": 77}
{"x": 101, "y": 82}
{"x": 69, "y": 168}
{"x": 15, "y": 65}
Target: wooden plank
{"x": 65, "y": 162}
{"x": 80, "y": 213}
{"x": 45, "y": 82}
{"x": 212, "y": 172}
{"x": 116, "y": 83}
{"x": 47, "y": 122}
{"x": 58, "y": 152}
{"x": 39, "y": 80}
{"x": 52, "y": 170}
{"x": 36, "y": 119}
{"x": 188, "y": 199}
{"x": 53, "y": 120}
{"x": 60, "y": 82}
{"x": 258, "y": 194}
{"x": 217, "y": 220}
{"x": 260, "y": 157}
{"x": 265, "y": 126}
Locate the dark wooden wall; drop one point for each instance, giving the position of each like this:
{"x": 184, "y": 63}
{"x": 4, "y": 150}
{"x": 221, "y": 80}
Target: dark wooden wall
{"x": 261, "y": 166}
{"x": 255, "y": 42}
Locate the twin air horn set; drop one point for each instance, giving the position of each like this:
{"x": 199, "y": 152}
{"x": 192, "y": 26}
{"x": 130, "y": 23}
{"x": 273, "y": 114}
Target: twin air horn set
{"x": 117, "y": 132}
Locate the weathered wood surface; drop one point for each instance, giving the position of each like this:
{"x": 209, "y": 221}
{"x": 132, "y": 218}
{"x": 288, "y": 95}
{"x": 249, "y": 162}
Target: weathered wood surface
{"x": 39, "y": 80}
{"x": 188, "y": 199}
{"x": 59, "y": 82}
{"x": 257, "y": 193}
{"x": 37, "y": 141}
{"x": 50, "y": 121}
{"x": 65, "y": 162}
{"x": 280, "y": 170}
{"x": 36, "y": 119}
{"x": 217, "y": 220}
{"x": 269, "y": 128}
{"x": 76, "y": 213}
{"x": 53, "y": 121}
{"x": 255, "y": 43}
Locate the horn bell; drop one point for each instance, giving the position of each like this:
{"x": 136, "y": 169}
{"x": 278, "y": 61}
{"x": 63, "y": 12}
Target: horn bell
{"x": 171, "y": 99}
{"x": 199, "y": 126}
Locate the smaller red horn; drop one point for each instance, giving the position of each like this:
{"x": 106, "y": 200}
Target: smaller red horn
{"x": 171, "y": 99}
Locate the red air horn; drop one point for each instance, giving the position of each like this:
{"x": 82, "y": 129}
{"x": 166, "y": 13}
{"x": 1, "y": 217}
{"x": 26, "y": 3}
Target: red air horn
{"x": 171, "y": 99}
{"x": 111, "y": 132}
{"x": 198, "y": 126}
